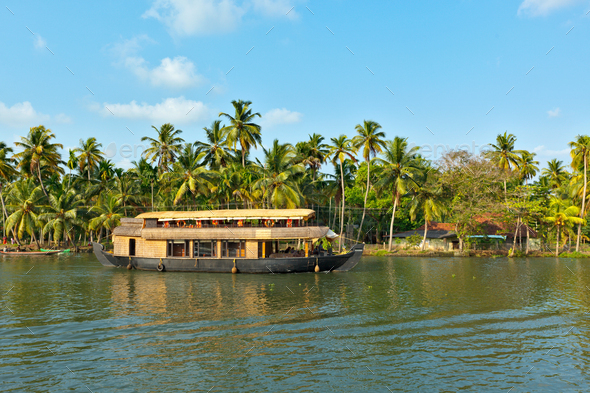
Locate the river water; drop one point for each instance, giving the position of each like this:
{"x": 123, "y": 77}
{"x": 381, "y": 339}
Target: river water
{"x": 391, "y": 324}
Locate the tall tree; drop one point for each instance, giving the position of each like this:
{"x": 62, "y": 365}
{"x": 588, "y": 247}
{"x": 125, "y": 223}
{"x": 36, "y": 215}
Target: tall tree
{"x": 504, "y": 155}
{"x": 147, "y": 174}
{"x": 241, "y": 129}
{"x": 71, "y": 164}
{"x": 165, "y": 147}
{"x": 555, "y": 172}
{"x": 342, "y": 148}
{"x": 398, "y": 167}
{"x": 562, "y": 214}
{"x": 38, "y": 151}
{"x": 90, "y": 155}
{"x": 371, "y": 140}
{"x": 60, "y": 214}
{"x": 427, "y": 198}
{"x": 24, "y": 200}
{"x": 7, "y": 172}
{"x": 580, "y": 152}
{"x": 188, "y": 173}
{"x": 215, "y": 148}
{"x": 313, "y": 153}
{"x": 528, "y": 166}
{"x": 278, "y": 181}
{"x": 109, "y": 213}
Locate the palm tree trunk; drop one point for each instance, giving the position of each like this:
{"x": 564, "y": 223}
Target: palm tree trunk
{"x": 152, "y": 183}
{"x": 342, "y": 212}
{"x": 583, "y": 206}
{"x": 557, "y": 243}
{"x": 4, "y": 214}
{"x": 515, "y": 237}
{"x": 505, "y": 195}
{"x": 40, "y": 179}
{"x": 527, "y": 240}
{"x": 365, "y": 205}
{"x": 425, "y": 232}
{"x": 70, "y": 179}
{"x": 88, "y": 168}
{"x": 391, "y": 224}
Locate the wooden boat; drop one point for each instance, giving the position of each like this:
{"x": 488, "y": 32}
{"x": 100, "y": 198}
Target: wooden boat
{"x": 29, "y": 253}
{"x": 224, "y": 241}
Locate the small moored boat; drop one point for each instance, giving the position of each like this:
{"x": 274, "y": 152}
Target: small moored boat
{"x": 29, "y": 253}
{"x": 224, "y": 241}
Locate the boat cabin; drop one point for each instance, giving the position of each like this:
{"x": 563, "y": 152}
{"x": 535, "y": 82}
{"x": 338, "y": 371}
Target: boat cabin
{"x": 251, "y": 234}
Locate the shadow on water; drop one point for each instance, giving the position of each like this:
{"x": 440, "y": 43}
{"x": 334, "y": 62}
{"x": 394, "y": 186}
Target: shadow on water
{"x": 404, "y": 323}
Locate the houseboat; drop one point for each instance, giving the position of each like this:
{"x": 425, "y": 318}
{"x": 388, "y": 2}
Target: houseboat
{"x": 237, "y": 241}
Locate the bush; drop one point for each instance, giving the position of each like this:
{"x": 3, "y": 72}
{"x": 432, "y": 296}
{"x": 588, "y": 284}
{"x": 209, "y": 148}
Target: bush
{"x": 414, "y": 240}
{"x": 381, "y": 253}
{"x": 574, "y": 254}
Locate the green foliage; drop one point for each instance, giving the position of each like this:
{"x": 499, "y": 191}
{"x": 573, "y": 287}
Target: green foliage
{"x": 573, "y": 254}
{"x": 414, "y": 240}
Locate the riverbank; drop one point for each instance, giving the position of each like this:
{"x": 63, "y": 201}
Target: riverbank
{"x": 470, "y": 253}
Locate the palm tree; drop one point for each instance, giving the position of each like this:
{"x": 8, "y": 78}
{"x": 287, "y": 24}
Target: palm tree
{"x": 528, "y": 166}
{"x": 504, "y": 155}
{"x": 279, "y": 171}
{"x": 189, "y": 173}
{"x": 215, "y": 148}
{"x": 60, "y": 215}
{"x": 165, "y": 147}
{"x": 146, "y": 173}
{"x": 7, "y": 172}
{"x": 241, "y": 128}
{"x": 90, "y": 155}
{"x": 38, "y": 151}
{"x": 313, "y": 153}
{"x": 563, "y": 214}
{"x": 225, "y": 183}
{"x": 371, "y": 140}
{"x": 125, "y": 188}
{"x": 24, "y": 201}
{"x": 341, "y": 148}
{"x": 109, "y": 214}
{"x": 556, "y": 172}
{"x": 580, "y": 152}
{"x": 71, "y": 164}
{"x": 398, "y": 166}
{"x": 428, "y": 199}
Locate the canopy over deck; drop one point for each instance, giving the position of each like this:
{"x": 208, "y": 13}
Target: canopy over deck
{"x": 245, "y": 214}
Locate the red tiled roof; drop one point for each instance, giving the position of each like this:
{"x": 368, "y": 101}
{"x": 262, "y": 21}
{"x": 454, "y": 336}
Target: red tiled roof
{"x": 491, "y": 225}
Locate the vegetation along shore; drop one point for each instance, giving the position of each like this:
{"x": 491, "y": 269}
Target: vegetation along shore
{"x": 365, "y": 185}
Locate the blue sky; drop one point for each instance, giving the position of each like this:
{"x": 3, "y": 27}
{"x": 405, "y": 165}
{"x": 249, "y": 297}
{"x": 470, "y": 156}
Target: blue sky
{"x": 428, "y": 70}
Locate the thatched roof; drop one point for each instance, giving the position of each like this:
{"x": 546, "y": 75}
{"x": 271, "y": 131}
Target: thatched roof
{"x": 234, "y": 233}
{"x": 131, "y": 221}
{"x": 236, "y": 214}
{"x": 127, "y": 230}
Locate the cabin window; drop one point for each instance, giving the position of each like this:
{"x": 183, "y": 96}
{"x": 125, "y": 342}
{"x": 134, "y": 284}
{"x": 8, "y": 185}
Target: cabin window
{"x": 204, "y": 248}
{"x": 233, "y": 249}
{"x": 131, "y": 247}
{"x": 151, "y": 223}
{"x": 178, "y": 248}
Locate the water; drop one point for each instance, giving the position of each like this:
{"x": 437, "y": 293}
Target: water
{"x": 404, "y": 324}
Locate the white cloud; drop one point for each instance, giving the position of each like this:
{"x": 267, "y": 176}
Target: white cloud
{"x": 206, "y": 17}
{"x": 130, "y": 47}
{"x": 278, "y": 116}
{"x": 275, "y": 8}
{"x": 40, "y": 42}
{"x": 554, "y": 112}
{"x": 196, "y": 17}
{"x": 543, "y": 7}
{"x": 23, "y": 114}
{"x": 175, "y": 73}
{"x": 542, "y": 151}
{"x": 171, "y": 110}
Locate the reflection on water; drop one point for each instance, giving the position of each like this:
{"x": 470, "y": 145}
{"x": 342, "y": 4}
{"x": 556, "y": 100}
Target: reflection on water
{"x": 406, "y": 324}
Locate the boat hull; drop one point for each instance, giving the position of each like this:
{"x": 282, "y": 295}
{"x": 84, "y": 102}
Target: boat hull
{"x": 326, "y": 263}
{"x": 29, "y": 254}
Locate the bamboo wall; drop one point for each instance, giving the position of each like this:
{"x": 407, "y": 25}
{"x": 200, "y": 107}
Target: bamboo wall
{"x": 143, "y": 248}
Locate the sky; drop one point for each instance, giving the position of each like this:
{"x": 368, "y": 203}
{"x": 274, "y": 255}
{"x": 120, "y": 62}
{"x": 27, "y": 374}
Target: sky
{"x": 446, "y": 75}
